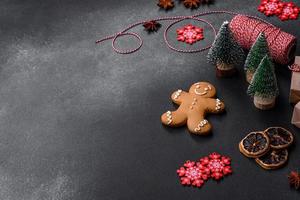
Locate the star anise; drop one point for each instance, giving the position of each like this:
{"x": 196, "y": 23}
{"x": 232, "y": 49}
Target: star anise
{"x": 166, "y": 4}
{"x": 191, "y": 3}
{"x": 294, "y": 179}
{"x": 206, "y": 1}
{"x": 151, "y": 26}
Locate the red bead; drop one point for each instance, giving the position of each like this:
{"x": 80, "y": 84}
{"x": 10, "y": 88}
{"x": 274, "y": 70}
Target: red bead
{"x": 269, "y": 13}
{"x": 188, "y": 27}
{"x": 283, "y": 17}
{"x": 261, "y": 8}
{"x": 280, "y": 5}
{"x": 278, "y": 11}
{"x": 293, "y": 16}
{"x": 199, "y": 30}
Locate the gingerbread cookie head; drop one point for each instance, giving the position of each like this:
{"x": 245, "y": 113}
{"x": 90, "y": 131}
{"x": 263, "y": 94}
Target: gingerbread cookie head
{"x": 203, "y": 89}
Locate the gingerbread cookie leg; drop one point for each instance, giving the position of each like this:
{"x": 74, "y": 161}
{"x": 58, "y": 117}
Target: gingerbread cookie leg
{"x": 175, "y": 118}
{"x": 198, "y": 125}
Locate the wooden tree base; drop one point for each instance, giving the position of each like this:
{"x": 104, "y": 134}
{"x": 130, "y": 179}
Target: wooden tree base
{"x": 223, "y": 70}
{"x": 264, "y": 103}
{"x": 249, "y": 76}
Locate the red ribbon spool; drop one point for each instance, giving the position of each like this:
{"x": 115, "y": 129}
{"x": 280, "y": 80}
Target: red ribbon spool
{"x": 282, "y": 45}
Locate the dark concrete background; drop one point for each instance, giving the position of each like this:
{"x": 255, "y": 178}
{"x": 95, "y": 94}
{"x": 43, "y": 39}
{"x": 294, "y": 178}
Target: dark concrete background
{"x": 80, "y": 122}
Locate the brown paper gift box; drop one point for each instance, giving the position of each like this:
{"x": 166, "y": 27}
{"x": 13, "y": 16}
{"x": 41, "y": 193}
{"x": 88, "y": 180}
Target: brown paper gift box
{"x": 295, "y": 84}
{"x": 296, "y": 115}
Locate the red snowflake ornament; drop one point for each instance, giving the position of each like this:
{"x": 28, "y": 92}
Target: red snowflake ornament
{"x": 192, "y": 174}
{"x": 190, "y": 34}
{"x": 196, "y": 173}
{"x": 271, "y": 7}
{"x": 289, "y": 11}
{"x": 217, "y": 165}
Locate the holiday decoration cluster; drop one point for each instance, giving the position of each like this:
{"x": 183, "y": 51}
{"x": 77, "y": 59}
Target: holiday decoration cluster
{"x": 284, "y": 10}
{"x": 195, "y": 173}
{"x": 267, "y": 44}
{"x": 226, "y": 54}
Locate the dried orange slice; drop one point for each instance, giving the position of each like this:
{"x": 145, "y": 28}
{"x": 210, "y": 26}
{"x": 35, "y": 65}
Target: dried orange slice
{"x": 255, "y": 144}
{"x": 273, "y": 159}
{"x": 280, "y": 138}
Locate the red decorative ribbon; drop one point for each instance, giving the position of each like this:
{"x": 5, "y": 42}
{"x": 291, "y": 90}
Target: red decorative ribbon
{"x": 245, "y": 27}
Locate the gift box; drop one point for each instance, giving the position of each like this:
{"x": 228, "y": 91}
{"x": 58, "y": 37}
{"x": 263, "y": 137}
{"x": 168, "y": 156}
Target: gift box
{"x": 296, "y": 115}
{"x": 295, "y": 82}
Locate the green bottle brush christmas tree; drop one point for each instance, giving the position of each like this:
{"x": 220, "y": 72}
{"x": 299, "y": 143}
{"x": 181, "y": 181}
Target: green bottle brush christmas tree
{"x": 263, "y": 86}
{"x": 225, "y": 52}
{"x": 257, "y": 52}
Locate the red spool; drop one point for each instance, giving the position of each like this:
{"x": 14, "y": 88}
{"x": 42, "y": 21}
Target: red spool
{"x": 282, "y": 45}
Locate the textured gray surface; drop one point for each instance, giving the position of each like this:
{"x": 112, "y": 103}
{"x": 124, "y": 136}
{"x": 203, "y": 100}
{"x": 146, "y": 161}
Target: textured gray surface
{"x": 78, "y": 121}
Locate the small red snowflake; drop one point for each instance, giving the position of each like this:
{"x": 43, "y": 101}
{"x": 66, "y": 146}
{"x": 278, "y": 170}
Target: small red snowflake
{"x": 289, "y": 11}
{"x": 218, "y": 165}
{"x": 192, "y": 174}
{"x": 271, "y": 7}
{"x": 190, "y": 34}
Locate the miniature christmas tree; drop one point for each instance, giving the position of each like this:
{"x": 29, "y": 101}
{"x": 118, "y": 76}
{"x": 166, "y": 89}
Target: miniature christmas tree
{"x": 225, "y": 52}
{"x": 263, "y": 86}
{"x": 256, "y": 54}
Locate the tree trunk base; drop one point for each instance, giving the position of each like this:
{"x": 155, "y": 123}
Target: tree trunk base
{"x": 223, "y": 70}
{"x": 264, "y": 103}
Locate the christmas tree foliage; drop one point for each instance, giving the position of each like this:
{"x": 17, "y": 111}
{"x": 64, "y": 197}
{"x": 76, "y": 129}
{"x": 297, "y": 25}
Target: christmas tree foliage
{"x": 257, "y": 52}
{"x": 264, "y": 83}
{"x": 225, "y": 50}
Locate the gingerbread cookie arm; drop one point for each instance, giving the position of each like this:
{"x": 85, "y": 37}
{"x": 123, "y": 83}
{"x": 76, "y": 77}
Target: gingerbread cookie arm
{"x": 178, "y": 96}
{"x": 175, "y": 118}
{"x": 198, "y": 125}
{"x": 215, "y": 105}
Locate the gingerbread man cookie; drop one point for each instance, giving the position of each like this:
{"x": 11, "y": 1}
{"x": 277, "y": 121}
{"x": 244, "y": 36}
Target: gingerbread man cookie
{"x": 193, "y": 106}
